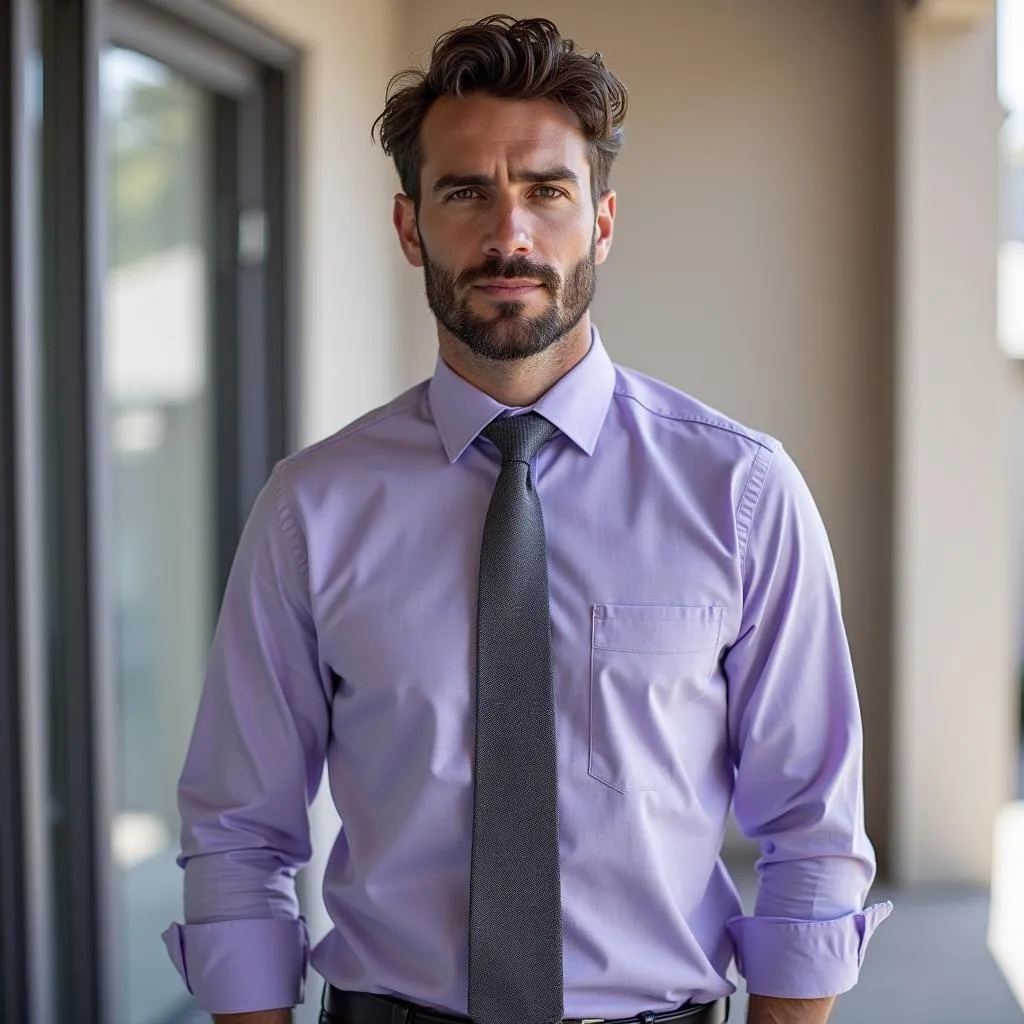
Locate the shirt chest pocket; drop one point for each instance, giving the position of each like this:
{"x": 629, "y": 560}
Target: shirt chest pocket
{"x": 647, "y": 664}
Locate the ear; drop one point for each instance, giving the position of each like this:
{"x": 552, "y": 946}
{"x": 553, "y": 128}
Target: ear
{"x": 604, "y": 226}
{"x": 404, "y": 219}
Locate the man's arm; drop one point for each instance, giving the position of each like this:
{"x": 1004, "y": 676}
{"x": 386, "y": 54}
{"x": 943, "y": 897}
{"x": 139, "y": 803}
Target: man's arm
{"x": 766, "y": 1010}
{"x": 254, "y": 765}
{"x": 795, "y": 736}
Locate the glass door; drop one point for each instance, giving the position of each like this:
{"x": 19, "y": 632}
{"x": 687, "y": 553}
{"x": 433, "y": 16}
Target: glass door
{"x": 164, "y": 263}
{"x": 160, "y": 448}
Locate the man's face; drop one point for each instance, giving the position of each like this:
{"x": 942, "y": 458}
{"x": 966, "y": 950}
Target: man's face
{"x": 506, "y": 230}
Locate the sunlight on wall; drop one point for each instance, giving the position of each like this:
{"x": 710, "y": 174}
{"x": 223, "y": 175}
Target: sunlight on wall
{"x": 1011, "y": 297}
{"x": 1006, "y": 922}
{"x": 137, "y": 837}
{"x": 1011, "y": 251}
{"x": 1006, "y": 919}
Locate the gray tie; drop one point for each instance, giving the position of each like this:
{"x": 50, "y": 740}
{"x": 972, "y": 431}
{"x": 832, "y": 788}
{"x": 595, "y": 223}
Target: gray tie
{"x": 515, "y": 912}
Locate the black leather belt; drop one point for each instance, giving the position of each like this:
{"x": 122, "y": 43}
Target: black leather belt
{"x": 363, "y": 1008}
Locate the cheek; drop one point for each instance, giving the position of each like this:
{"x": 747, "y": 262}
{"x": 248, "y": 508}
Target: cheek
{"x": 453, "y": 246}
{"x": 567, "y": 238}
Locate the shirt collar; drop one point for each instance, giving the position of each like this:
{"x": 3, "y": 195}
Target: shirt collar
{"x": 577, "y": 403}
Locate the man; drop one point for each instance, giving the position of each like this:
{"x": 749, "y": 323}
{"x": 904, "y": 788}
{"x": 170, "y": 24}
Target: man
{"x": 546, "y": 619}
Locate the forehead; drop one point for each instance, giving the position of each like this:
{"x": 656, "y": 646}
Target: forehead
{"x": 484, "y": 134}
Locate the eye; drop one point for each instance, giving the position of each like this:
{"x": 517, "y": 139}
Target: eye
{"x": 461, "y": 195}
{"x": 548, "y": 192}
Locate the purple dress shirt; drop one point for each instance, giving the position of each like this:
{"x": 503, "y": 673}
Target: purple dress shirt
{"x": 700, "y": 660}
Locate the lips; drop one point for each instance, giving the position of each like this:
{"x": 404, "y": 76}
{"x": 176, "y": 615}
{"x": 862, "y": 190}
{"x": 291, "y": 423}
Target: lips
{"x": 507, "y": 288}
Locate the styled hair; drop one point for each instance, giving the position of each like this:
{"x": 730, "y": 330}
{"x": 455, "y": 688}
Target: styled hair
{"x": 522, "y": 60}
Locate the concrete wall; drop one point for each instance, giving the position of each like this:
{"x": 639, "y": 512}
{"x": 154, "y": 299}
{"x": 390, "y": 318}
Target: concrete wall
{"x": 752, "y": 262}
{"x": 956, "y": 730}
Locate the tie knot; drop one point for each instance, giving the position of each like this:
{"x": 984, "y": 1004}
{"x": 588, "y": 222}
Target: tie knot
{"x": 519, "y": 438}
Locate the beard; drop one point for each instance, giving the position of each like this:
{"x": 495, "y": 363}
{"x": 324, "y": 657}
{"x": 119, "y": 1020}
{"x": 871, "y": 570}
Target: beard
{"x": 509, "y": 333}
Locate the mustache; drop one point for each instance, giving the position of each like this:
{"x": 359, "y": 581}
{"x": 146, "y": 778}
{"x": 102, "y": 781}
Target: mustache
{"x": 514, "y": 266}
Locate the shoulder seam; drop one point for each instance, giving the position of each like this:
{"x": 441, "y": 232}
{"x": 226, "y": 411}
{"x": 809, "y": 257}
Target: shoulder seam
{"x": 707, "y": 421}
{"x": 290, "y": 529}
{"x": 749, "y": 500}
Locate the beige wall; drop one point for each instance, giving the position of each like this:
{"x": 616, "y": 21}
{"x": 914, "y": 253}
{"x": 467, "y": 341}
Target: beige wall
{"x": 956, "y": 725}
{"x": 752, "y": 260}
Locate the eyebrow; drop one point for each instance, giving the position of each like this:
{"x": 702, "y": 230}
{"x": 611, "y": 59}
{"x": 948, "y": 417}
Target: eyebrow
{"x": 547, "y": 174}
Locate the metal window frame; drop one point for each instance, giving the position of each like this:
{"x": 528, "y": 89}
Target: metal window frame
{"x": 140, "y": 26}
{"x": 257, "y": 425}
{"x": 14, "y": 920}
{"x": 72, "y": 246}
{"x": 27, "y": 853}
{"x": 222, "y": 22}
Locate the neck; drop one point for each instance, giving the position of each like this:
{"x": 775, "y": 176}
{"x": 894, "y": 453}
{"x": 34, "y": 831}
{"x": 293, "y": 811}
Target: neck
{"x": 522, "y": 381}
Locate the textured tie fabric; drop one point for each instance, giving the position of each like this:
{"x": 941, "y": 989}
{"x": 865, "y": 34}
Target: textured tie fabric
{"x": 515, "y": 913}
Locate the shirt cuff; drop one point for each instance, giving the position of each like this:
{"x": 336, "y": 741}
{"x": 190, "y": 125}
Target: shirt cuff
{"x": 793, "y": 959}
{"x": 242, "y": 966}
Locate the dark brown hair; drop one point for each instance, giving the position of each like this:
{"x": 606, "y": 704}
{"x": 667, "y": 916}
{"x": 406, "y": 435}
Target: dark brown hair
{"x": 500, "y": 56}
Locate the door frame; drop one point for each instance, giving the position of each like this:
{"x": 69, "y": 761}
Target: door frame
{"x": 14, "y": 920}
{"x": 257, "y": 298}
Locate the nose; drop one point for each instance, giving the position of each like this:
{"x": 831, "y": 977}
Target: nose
{"x": 508, "y": 231}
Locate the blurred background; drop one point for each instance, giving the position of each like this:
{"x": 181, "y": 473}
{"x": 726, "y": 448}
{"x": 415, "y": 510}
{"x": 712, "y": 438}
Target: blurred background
{"x": 820, "y": 232}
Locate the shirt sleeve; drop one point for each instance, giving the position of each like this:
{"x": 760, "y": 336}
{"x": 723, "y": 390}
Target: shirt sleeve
{"x": 253, "y": 767}
{"x": 795, "y": 733}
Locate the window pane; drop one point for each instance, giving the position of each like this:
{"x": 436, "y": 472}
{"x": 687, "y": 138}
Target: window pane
{"x": 161, "y": 445}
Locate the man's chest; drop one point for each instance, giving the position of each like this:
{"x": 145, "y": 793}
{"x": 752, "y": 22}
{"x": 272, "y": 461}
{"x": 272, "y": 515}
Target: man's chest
{"x": 644, "y": 596}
